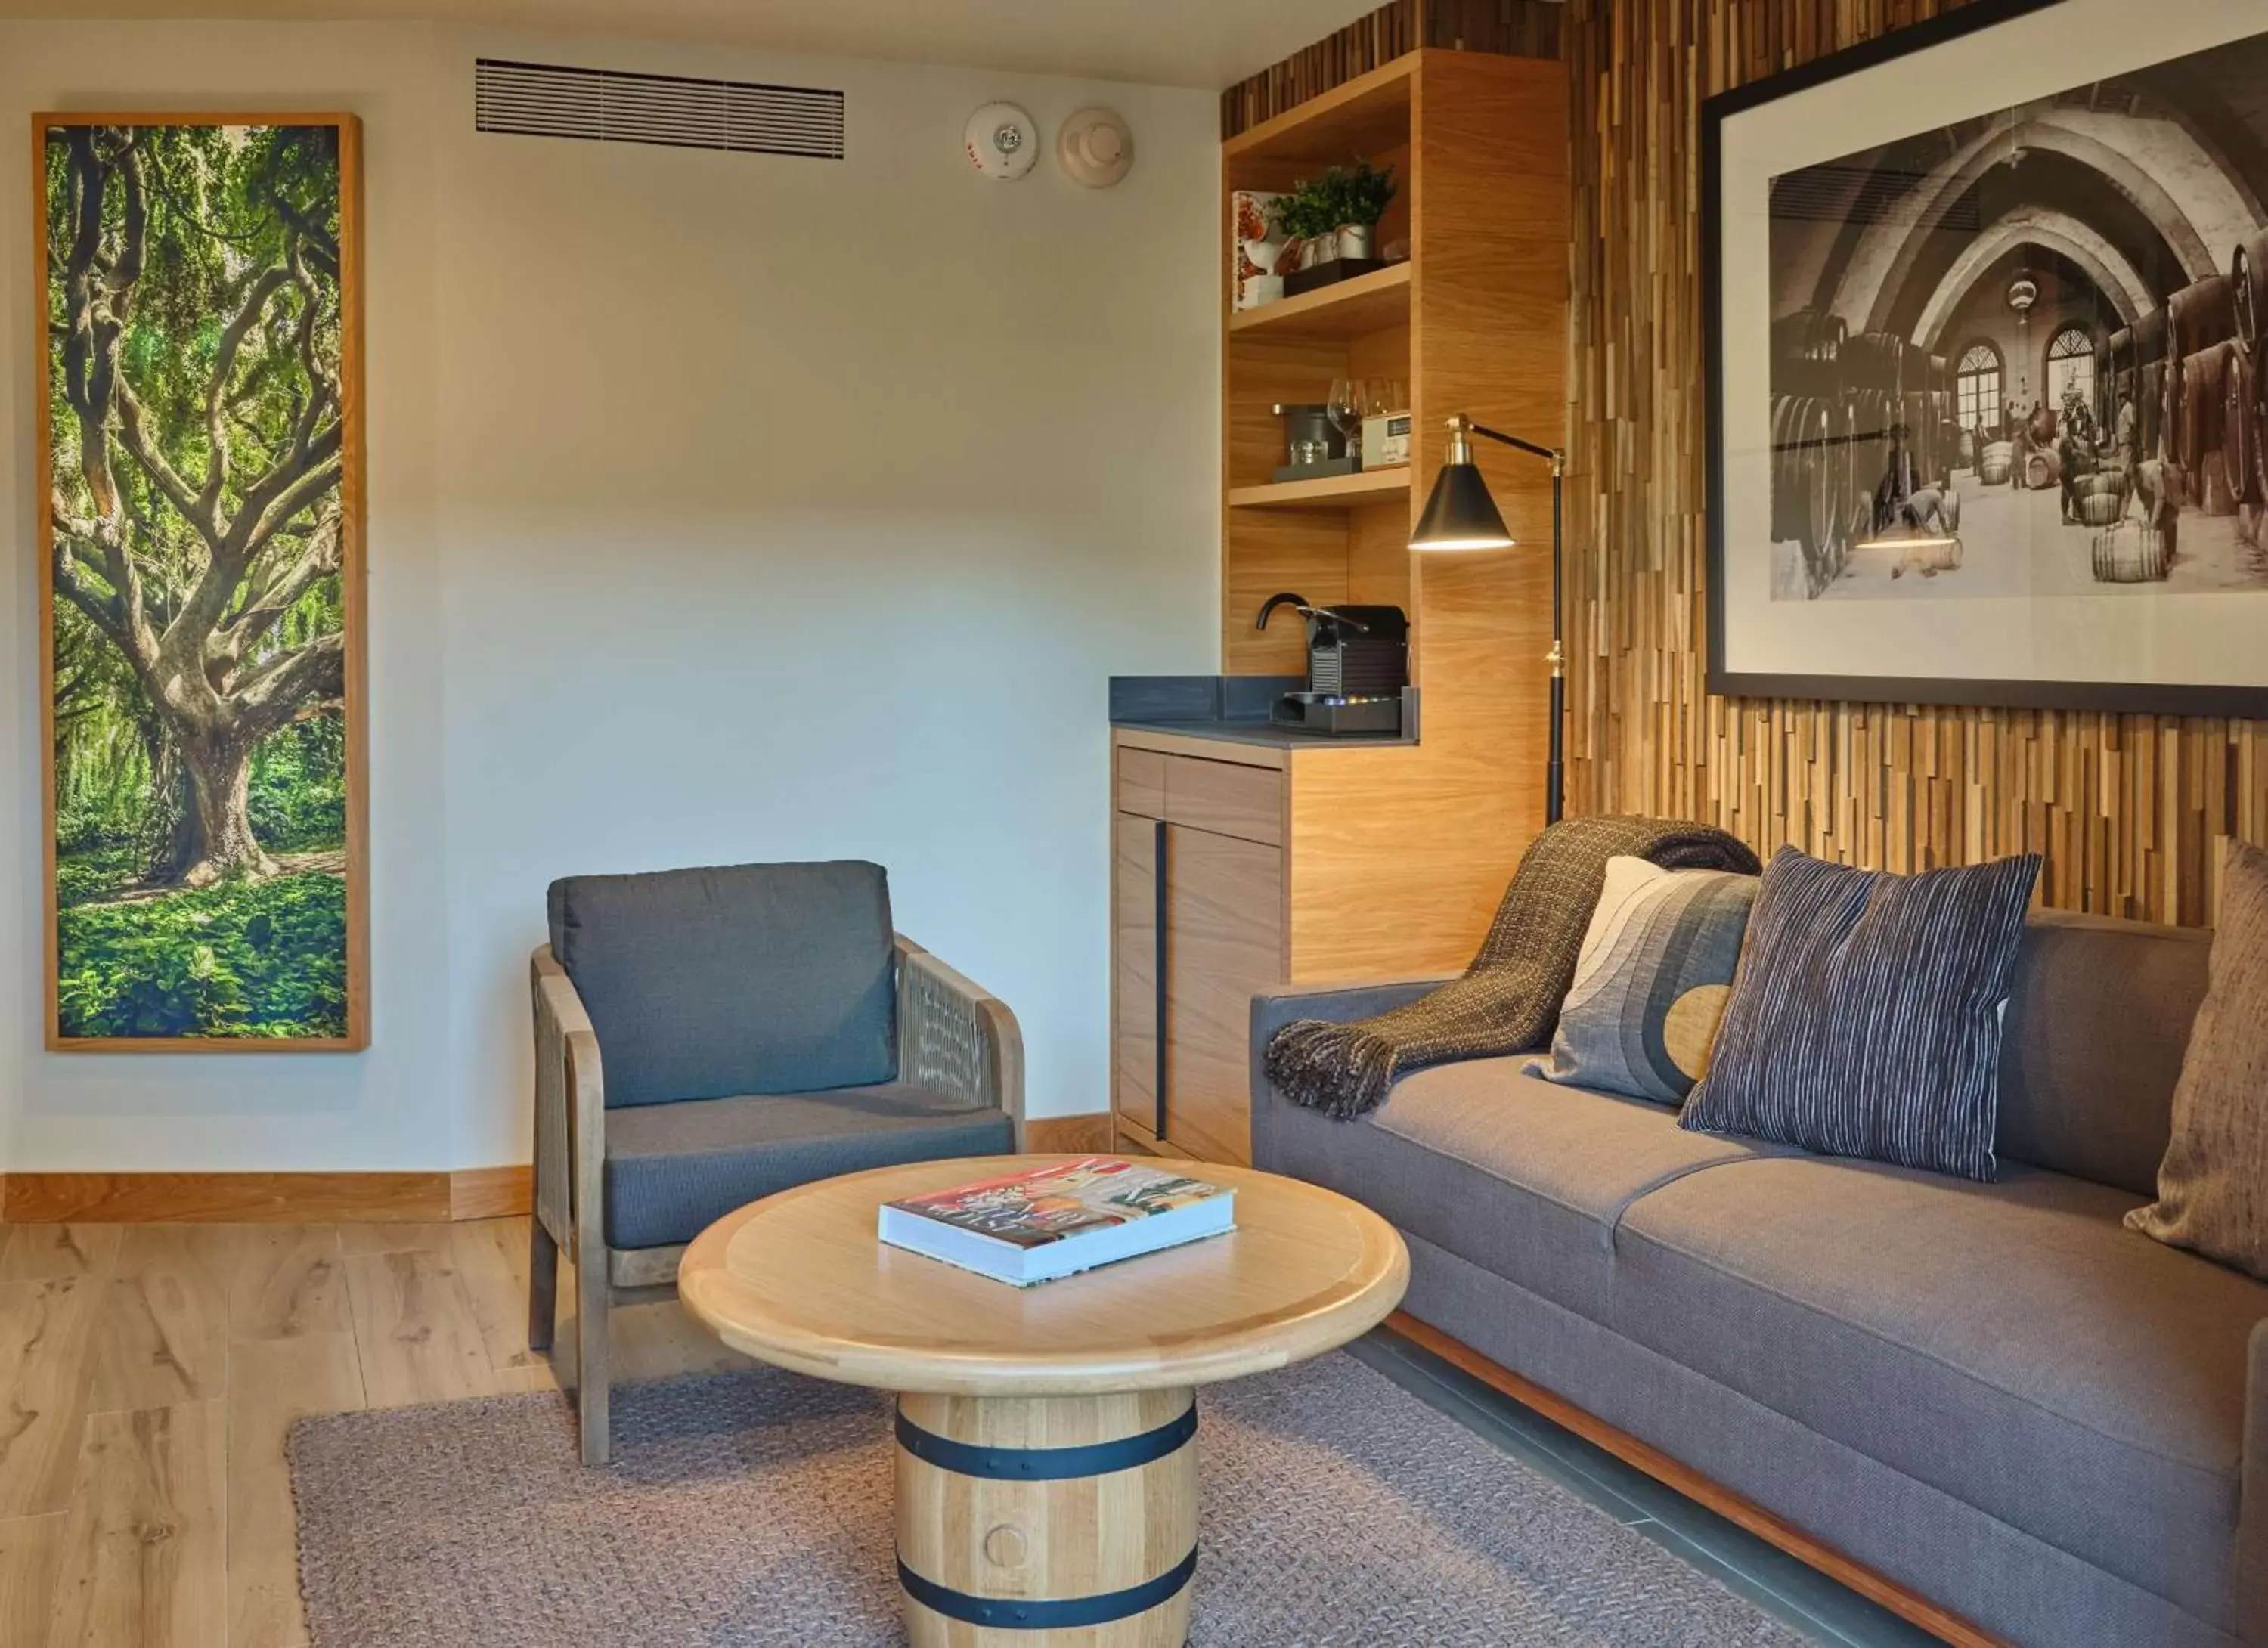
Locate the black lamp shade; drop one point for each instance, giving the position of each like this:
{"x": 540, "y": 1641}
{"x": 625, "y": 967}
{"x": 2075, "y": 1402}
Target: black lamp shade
{"x": 1461, "y": 514}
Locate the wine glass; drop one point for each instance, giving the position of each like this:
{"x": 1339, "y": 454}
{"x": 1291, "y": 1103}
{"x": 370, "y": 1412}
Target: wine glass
{"x": 1344, "y": 408}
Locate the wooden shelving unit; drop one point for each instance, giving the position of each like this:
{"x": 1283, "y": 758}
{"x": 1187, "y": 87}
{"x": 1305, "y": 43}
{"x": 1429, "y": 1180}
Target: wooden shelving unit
{"x": 1236, "y": 867}
{"x": 1368, "y": 303}
{"x": 1332, "y": 492}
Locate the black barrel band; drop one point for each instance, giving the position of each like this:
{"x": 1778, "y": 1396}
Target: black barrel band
{"x": 1052, "y": 1612}
{"x": 1052, "y": 1464}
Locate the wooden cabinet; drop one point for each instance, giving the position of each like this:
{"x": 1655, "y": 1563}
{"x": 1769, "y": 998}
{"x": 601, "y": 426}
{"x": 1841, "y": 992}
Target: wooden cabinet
{"x": 1239, "y": 866}
{"x": 1198, "y": 930}
{"x": 1223, "y": 945}
{"x": 1137, "y": 925}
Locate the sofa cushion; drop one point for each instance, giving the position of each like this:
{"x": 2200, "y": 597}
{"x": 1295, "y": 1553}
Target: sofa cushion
{"x": 673, "y": 1169}
{"x": 1500, "y": 1167}
{"x": 751, "y": 978}
{"x": 2098, "y": 1019}
{"x": 1865, "y": 1014}
{"x": 2012, "y": 1345}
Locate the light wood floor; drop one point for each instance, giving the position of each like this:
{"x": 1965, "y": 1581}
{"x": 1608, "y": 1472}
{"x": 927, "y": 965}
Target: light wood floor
{"x": 149, "y": 1373}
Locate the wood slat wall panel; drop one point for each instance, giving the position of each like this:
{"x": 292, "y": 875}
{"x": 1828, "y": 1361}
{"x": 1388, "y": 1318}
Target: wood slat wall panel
{"x": 2126, "y": 809}
{"x": 1509, "y": 28}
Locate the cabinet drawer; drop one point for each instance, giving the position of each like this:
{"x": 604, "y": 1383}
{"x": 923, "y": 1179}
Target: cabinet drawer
{"x": 1140, "y": 782}
{"x": 1246, "y": 802}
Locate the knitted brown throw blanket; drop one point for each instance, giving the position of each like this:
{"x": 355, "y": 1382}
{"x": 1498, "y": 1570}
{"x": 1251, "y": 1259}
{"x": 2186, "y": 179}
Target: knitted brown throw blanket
{"x": 1507, "y": 1001}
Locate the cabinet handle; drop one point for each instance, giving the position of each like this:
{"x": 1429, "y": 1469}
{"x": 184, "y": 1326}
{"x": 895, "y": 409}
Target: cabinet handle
{"x": 1158, "y": 916}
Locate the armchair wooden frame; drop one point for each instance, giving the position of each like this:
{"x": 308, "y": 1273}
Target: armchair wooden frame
{"x": 953, "y": 1037}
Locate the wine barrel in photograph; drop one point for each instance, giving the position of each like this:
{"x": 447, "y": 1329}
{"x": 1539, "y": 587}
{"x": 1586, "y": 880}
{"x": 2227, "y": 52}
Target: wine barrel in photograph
{"x": 2197, "y": 416}
{"x": 2240, "y": 424}
{"x": 2042, "y": 470}
{"x": 2248, "y": 274}
{"x": 1814, "y": 463}
{"x": 1998, "y": 464}
{"x": 1880, "y": 360}
{"x": 998, "y": 1503}
{"x": 1784, "y": 500}
{"x": 1814, "y": 334}
{"x": 2149, "y": 334}
{"x": 2201, "y": 315}
{"x": 2100, "y": 509}
{"x": 2130, "y": 552}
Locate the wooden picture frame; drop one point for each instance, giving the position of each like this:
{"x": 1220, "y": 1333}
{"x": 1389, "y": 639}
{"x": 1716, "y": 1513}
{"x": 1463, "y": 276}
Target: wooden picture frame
{"x": 319, "y": 504}
{"x": 1810, "y": 646}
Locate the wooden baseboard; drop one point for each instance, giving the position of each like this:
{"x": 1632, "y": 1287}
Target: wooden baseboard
{"x": 1907, "y": 1605}
{"x": 291, "y": 1198}
{"x": 1088, "y": 1133}
{"x": 491, "y": 1192}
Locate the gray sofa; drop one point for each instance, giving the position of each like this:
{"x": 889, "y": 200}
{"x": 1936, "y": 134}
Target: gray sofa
{"x": 1993, "y": 1395}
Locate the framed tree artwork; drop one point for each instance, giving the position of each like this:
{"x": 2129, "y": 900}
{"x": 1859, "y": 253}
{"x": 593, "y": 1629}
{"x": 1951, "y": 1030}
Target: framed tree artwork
{"x": 1986, "y": 303}
{"x": 200, "y": 470}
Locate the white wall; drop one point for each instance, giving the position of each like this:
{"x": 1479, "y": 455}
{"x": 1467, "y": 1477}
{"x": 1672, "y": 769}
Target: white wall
{"x": 721, "y": 508}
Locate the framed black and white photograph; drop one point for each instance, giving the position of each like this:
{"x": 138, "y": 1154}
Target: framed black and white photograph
{"x": 1985, "y": 308}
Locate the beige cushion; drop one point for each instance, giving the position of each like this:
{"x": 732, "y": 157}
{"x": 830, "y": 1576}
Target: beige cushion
{"x": 2213, "y": 1187}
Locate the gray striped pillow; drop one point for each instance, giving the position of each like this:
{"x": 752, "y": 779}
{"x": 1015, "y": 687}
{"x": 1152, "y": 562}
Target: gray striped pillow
{"x": 1865, "y": 1014}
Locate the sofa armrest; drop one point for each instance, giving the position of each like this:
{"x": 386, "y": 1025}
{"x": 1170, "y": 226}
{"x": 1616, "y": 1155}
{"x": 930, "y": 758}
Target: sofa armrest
{"x": 2252, "y": 1523}
{"x": 956, "y": 1037}
{"x": 1337, "y": 1003}
{"x": 571, "y": 1113}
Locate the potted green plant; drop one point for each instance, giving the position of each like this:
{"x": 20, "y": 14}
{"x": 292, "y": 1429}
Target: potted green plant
{"x": 1337, "y": 213}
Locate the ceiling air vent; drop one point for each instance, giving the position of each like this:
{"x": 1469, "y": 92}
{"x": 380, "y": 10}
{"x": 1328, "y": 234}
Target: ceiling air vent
{"x": 606, "y": 106}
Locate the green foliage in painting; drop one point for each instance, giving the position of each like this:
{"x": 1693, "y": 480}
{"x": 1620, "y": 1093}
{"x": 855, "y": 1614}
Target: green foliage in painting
{"x": 240, "y": 959}
{"x": 196, "y": 438}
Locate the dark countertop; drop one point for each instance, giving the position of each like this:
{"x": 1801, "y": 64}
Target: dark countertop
{"x": 1233, "y": 709}
{"x": 1265, "y": 735}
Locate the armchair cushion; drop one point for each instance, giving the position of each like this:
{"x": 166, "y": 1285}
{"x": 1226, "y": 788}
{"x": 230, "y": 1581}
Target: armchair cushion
{"x": 673, "y": 1169}
{"x": 750, "y": 979}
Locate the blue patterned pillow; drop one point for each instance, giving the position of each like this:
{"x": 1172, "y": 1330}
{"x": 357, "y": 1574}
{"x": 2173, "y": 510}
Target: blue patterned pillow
{"x": 1651, "y": 985}
{"x": 1865, "y": 1015}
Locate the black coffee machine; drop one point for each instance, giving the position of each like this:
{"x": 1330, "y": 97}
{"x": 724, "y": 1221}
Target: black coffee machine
{"x": 1358, "y": 664}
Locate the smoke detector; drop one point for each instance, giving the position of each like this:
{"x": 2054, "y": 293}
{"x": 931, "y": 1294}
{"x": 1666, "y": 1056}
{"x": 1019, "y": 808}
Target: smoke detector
{"x": 1094, "y": 148}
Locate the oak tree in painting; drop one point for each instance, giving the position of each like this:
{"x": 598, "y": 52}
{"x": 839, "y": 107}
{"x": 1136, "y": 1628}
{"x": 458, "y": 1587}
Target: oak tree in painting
{"x": 196, "y": 438}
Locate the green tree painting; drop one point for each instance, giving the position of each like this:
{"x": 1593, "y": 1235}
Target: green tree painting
{"x": 197, "y": 440}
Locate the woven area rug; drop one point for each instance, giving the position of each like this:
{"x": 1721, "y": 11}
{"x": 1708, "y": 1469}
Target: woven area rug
{"x": 753, "y": 1509}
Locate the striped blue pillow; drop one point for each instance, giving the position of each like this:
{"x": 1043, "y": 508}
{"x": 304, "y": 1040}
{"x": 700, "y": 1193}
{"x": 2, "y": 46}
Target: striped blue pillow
{"x": 1865, "y": 1013}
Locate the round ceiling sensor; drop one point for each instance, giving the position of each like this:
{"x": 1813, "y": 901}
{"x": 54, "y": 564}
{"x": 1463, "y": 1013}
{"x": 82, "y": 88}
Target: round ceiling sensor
{"x": 1001, "y": 142}
{"x": 1095, "y": 148}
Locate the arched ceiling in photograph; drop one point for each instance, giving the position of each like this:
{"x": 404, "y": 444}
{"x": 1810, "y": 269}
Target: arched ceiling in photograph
{"x": 2139, "y": 182}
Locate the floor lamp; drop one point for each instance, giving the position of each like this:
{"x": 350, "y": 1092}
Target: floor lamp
{"x": 1462, "y": 515}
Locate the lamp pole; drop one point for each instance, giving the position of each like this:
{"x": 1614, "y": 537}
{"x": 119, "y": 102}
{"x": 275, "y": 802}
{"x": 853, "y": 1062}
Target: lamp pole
{"x": 1461, "y": 515}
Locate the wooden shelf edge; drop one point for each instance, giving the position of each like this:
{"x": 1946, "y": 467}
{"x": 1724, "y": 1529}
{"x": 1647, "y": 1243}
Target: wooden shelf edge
{"x": 1358, "y": 90}
{"x": 1368, "y": 486}
{"x": 1368, "y": 303}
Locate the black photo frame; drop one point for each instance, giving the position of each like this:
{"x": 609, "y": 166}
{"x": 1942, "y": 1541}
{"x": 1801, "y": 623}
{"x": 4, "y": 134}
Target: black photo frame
{"x": 1722, "y": 677}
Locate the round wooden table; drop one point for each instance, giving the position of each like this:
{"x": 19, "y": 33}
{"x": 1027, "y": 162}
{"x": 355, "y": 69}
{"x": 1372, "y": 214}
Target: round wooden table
{"x": 1046, "y": 1479}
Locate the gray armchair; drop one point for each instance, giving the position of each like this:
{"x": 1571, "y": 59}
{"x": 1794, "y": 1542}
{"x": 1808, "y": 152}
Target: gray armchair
{"x": 706, "y": 1037}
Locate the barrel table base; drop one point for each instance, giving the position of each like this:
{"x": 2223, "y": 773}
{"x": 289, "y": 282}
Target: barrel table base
{"x": 1047, "y": 1521}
